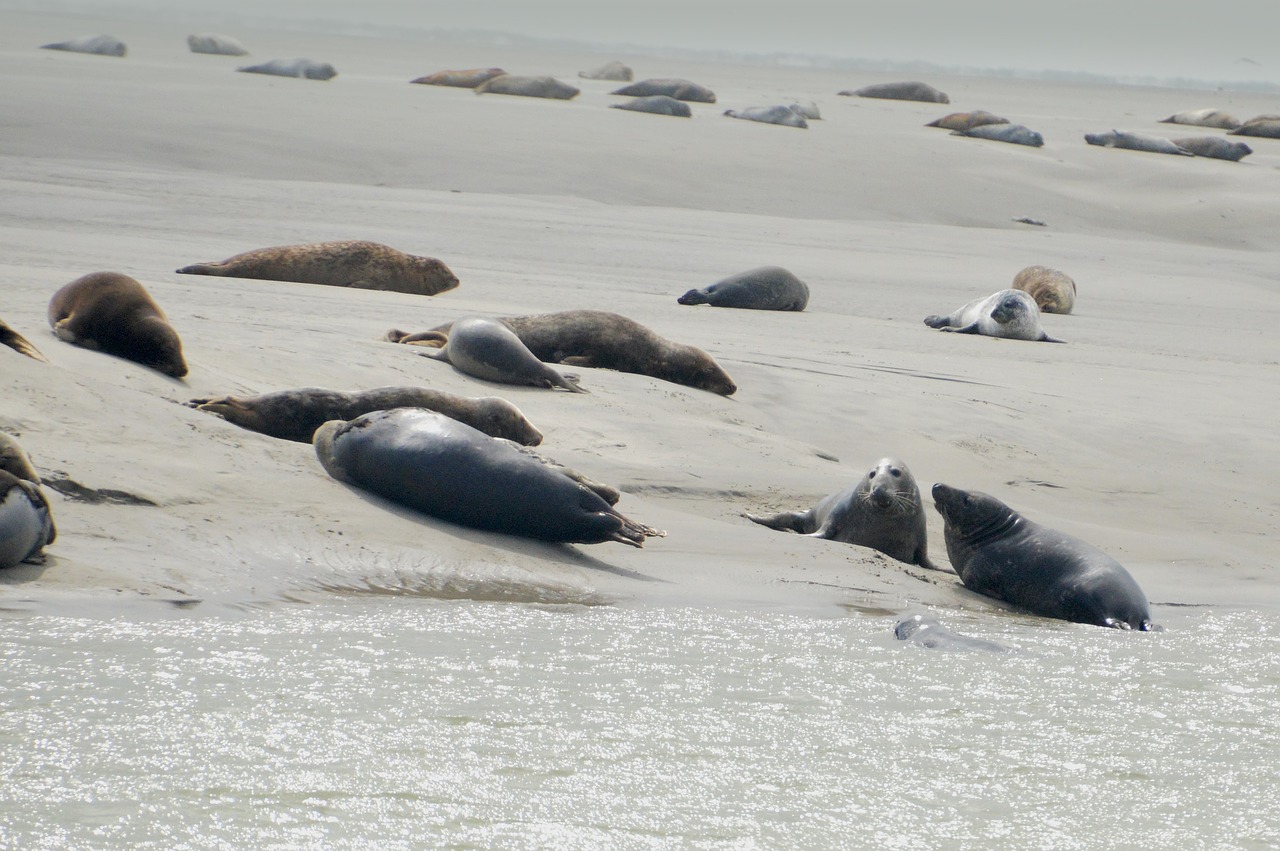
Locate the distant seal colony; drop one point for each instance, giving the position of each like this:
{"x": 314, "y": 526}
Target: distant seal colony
{"x": 306, "y": 68}
{"x": 900, "y": 91}
{"x": 765, "y": 288}
{"x": 1011, "y": 314}
{"x": 1053, "y": 291}
{"x": 487, "y": 349}
{"x": 114, "y": 314}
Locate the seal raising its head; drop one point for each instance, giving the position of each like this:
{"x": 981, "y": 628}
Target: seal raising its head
{"x": 114, "y": 314}
{"x": 1203, "y": 118}
{"x": 1214, "y": 147}
{"x": 615, "y": 70}
{"x": 1263, "y": 126}
{"x": 1011, "y": 314}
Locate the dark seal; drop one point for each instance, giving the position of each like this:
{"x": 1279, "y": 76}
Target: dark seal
{"x": 1214, "y": 147}
{"x": 113, "y": 313}
{"x": 674, "y": 87}
{"x": 928, "y": 631}
{"x": 765, "y": 288}
{"x": 26, "y": 524}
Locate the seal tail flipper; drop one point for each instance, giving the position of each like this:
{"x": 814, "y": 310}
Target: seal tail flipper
{"x": 569, "y": 381}
{"x": 1045, "y": 338}
{"x": 633, "y": 533}
{"x": 787, "y": 521}
{"x": 199, "y": 269}
{"x": 20, "y": 344}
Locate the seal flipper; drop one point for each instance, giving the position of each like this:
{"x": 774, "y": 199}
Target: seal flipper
{"x": 787, "y": 521}
{"x": 200, "y": 269}
{"x": 935, "y": 321}
{"x": 971, "y": 328}
{"x": 19, "y": 343}
{"x": 1045, "y": 338}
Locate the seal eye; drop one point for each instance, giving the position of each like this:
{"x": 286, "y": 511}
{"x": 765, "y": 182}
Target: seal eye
{"x": 897, "y": 474}
{"x": 871, "y": 475}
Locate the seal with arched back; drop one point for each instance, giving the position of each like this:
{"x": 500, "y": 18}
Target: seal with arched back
{"x": 485, "y": 348}
{"x": 1263, "y": 126}
{"x": 113, "y": 313}
{"x": 1014, "y": 134}
{"x": 1011, "y": 314}
{"x": 765, "y": 288}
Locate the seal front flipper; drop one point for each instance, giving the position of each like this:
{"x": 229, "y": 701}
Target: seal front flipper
{"x": 937, "y": 321}
{"x": 971, "y": 328}
{"x": 787, "y": 521}
{"x": 199, "y": 269}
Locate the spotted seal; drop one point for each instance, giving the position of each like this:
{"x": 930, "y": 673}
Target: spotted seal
{"x": 308, "y": 68}
{"x": 675, "y": 87}
{"x": 912, "y": 90}
{"x": 1053, "y": 291}
{"x": 765, "y": 288}
{"x": 113, "y": 313}
{"x": 1011, "y": 314}
{"x": 487, "y": 349}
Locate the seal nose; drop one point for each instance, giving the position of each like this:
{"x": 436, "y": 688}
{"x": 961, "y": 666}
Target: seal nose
{"x": 881, "y": 497}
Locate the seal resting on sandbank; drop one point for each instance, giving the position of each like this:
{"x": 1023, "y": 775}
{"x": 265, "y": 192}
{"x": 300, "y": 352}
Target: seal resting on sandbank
{"x": 528, "y": 87}
{"x": 113, "y": 313}
{"x": 657, "y": 105}
{"x": 220, "y": 45}
{"x": 1011, "y": 314}
{"x": 912, "y": 90}
{"x": 100, "y": 45}
{"x": 675, "y": 87}
{"x": 615, "y": 71}
{"x": 468, "y": 79}
{"x": 487, "y": 349}
{"x": 308, "y": 68}
{"x": 778, "y": 114}
{"x": 1263, "y": 126}
{"x": 1054, "y": 291}
{"x": 765, "y": 288}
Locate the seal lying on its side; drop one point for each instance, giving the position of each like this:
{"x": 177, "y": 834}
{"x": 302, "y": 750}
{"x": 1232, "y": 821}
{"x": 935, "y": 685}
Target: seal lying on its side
{"x": 614, "y": 70}
{"x": 19, "y": 343}
{"x": 220, "y": 45}
{"x": 296, "y": 414}
{"x": 487, "y": 349}
{"x": 882, "y": 511}
{"x": 1011, "y": 314}
{"x": 967, "y": 120}
{"x": 528, "y": 87}
{"x": 778, "y": 114}
{"x": 468, "y": 79}
{"x": 443, "y": 468}
{"x": 26, "y": 525}
{"x": 927, "y": 631}
{"x": 102, "y": 45}
{"x": 656, "y": 104}
{"x": 766, "y": 288}
{"x": 308, "y": 68}
{"x": 112, "y": 313}
{"x": 999, "y": 553}
{"x": 1203, "y": 118}
{"x": 1053, "y": 291}
{"x": 1135, "y": 142}
{"x": 1263, "y": 126}
{"x": 900, "y": 91}
{"x": 1214, "y": 147}
{"x": 671, "y": 87}
{"x": 357, "y": 263}
{"x": 1014, "y": 134}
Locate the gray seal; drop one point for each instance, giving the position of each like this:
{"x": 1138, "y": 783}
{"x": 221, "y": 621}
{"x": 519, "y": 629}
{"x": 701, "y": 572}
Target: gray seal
{"x": 528, "y": 87}
{"x": 1014, "y": 134}
{"x": 1263, "y": 126}
{"x": 1203, "y": 118}
{"x": 446, "y": 469}
{"x": 882, "y": 511}
{"x": 999, "y": 553}
{"x": 1053, "y": 291}
{"x": 807, "y": 108}
{"x": 485, "y": 348}
{"x": 19, "y": 343}
{"x": 967, "y": 120}
{"x": 675, "y": 87}
{"x": 656, "y": 104}
{"x": 1011, "y": 314}
{"x": 778, "y": 114}
{"x": 113, "y": 313}
{"x": 308, "y": 68}
{"x": 468, "y": 79}
{"x": 220, "y": 45}
{"x": 615, "y": 71}
{"x": 100, "y": 45}
{"x": 766, "y": 288}
{"x": 1214, "y": 147}
{"x": 1135, "y": 142}
{"x": 26, "y": 524}
{"x": 900, "y": 91}
{"x": 928, "y": 631}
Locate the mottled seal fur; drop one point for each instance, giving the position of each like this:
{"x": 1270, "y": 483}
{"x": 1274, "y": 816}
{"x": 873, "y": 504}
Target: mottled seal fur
{"x": 882, "y": 511}
{"x": 296, "y": 414}
{"x": 928, "y": 631}
{"x": 1263, "y": 126}
{"x": 1135, "y": 142}
{"x": 308, "y": 68}
{"x": 1203, "y": 118}
{"x": 967, "y": 120}
{"x": 101, "y": 45}
{"x": 1214, "y": 147}
{"x": 448, "y": 470}
{"x": 487, "y": 349}
{"x": 1053, "y": 291}
{"x": 656, "y": 104}
{"x": 671, "y": 87}
{"x": 14, "y": 460}
{"x": 19, "y": 343}
{"x": 615, "y": 71}
{"x": 529, "y": 87}
{"x": 999, "y": 553}
{"x": 765, "y": 288}
{"x": 900, "y": 91}
{"x": 468, "y": 79}
{"x": 113, "y": 313}
{"x": 220, "y": 45}
{"x": 1011, "y": 314}
{"x": 1014, "y": 134}
{"x": 26, "y": 523}
{"x": 352, "y": 263}
{"x": 778, "y": 114}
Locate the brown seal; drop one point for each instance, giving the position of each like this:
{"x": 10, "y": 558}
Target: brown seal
{"x": 614, "y": 70}
{"x": 467, "y": 79}
{"x": 1053, "y": 291}
{"x": 528, "y": 87}
{"x": 19, "y": 343}
{"x": 900, "y": 91}
{"x": 112, "y": 313}
{"x": 1214, "y": 147}
{"x": 296, "y": 414}
{"x": 597, "y": 338}
{"x": 967, "y": 120}
{"x": 1262, "y": 126}
{"x": 352, "y": 263}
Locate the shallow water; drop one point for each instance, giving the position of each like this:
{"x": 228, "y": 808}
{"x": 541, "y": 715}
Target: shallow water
{"x": 401, "y": 723}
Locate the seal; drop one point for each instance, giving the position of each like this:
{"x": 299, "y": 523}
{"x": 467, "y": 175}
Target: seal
{"x": 807, "y": 108}
{"x": 766, "y": 288}
{"x": 615, "y": 71}
{"x": 1263, "y": 126}
{"x": 882, "y": 511}
{"x": 927, "y": 631}
{"x": 603, "y": 340}
{"x": 1203, "y": 118}
{"x": 1053, "y": 291}
{"x": 113, "y": 313}
{"x": 967, "y": 120}
{"x": 1014, "y": 134}
{"x": 999, "y": 553}
{"x": 1214, "y": 147}
{"x": 221, "y": 45}
{"x": 296, "y": 414}
{"x": 779, "y": 114}
{"x": 1011, "y": 314}
{"x": 19, "y": 343}
{"x": 467, "y": 79}
{"x": 656, "y": 104}
{"x": 14, "y": 461}
{"x": 528, "y": 87}
{"x": 1135, "y": 142}
{"x": 308, "y": 68}
{"x": 26, "y": 524}
{"x": 487, "y": 349}
{"x": 351, "y": 263}
{"x": 101, "y": 45}
{"x": 443, "y": 468}
{"x": 674, "y": 87}
{"x": 900, "y": 91}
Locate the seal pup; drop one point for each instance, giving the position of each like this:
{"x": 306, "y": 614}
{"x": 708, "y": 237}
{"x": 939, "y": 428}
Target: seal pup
{"x": 967, "y": 120}
{"x": 1135, "y": 142}
{"x": 221, "y": 45}
{"x": 485, "y": 348}
{"x": 528, "y": 87}
{"x": 1263, "y": 126}
{"x": 615, "y": 70}
{"x": 467, "y": 79}
{"x": 446, "y": 469}
{"x": 1011, "y": 314}
{"x": 113, "y": 313}
{"x": 308, "y": 68}
{"x": 1214, "y": 147}
{"x": 14, "y": 460}
{"x": 26, "y": 524}
{"x": 882, "y": 511}
{"x": 1053, "y": 291}
{"x": 101, "y": 45}
{"x": 927, "y": 631}
{"x": 1203, "y": 118}
{"x": 1014, "y": 134}
{"x": 19, "y": 343}
{"x": 999, "y": 553}
{"x": 900, "y": 91}
{"x": 765, "y": 288}
{"x": 656, "y": 104}
{"x": 779, "y": 114}
{"x": 359, "y": 264}
{"x": 675, "y": 87}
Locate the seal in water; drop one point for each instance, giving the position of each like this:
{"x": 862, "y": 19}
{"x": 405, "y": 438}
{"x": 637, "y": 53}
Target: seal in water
{"x": 1214, "y": 147}
{"x": 1011, "y": 314}
{"x": 528, "y": 87}
{"x": 999, "y": 553}
{"x": 1203, "y": 118}
{"x": 1263, "y": 126}
{"x": 779, "y": 114}
{"x": 102, "y": 45}
{"x": 927, "y": 631}
{"x": 1135, "y": 142}
{"x": 26, "y": 525}
{"x": 900, "y": 91}
{"x": 446, "y": 469}
{"x": 671, "y": 87}
{"x": 656, "y": 104}
{"x": 615, "y": 70}
{"x": 597, "y": 338}
{"x": 766, "y": 288}
{"x": 882, "y": 511}
{"x": 296, "y": 414}
{"x": 19, "y": 343}
{"x": 350, "y": 263}
{"x": 487, "y": 349}
{"x": 112, "y": 313}
{"x": 1053, "y": 291}
{"x": 308, "y": 68}
{"x": 1014, "y": 134}
{"x": 220, "y": 45}
{"x": 467, "y": 79}
{"x": 967, "y": 120}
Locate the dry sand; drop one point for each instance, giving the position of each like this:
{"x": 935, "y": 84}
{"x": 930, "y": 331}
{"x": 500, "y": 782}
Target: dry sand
{"x": 1151, "y": 434}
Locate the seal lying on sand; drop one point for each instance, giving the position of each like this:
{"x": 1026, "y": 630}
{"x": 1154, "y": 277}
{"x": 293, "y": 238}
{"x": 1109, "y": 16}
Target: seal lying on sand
{"x": 529, "y": 87}
{"x": 26, "y": 524}
{"x": 927, "y": 631}
{"x": 967, "y": 120}
{"x": 784, "y": 115}
{"x": 355, "y": 263}
{"x": 467, "y": 79}
{"x": 14, "y": 460}
{"x": 112, "y": 313}
{"x": 1135, "y": 142}
{"x": 597, "y": 338}
{"x": 1203, "y": 118}
{"x": 487, "y": 349}
{"x": 296, "y": 414}
{"x": 807, "y": 108}
{"x": 614, "y": 70}
{"x": 1014, "y": 134}
{"x": 1264, "y": 126}
{"x": 999, "y": 553}
{"x": 1214, "y": 147}
{"x": 657, "y": 104}
{"x": 882, "y": 511}
{"x": 217, "y": 44}
{"x": 308, "y": 68}
{"x": 766, "y": 288}
{"x": 900, "y": 91}
{"x": 1053, "y": 291}
{"x": 102, "y": 45}
{"x": 443, "y": 468}
{"x": 671, "y": 87}
{"x": 1011, "y": 314}
{"x": 19, "y": 343}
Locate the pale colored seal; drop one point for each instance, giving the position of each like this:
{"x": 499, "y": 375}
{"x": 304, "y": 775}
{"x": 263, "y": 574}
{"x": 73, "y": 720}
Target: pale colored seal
{"x": 1135, "y": 142}
{"x": 14, "y": 460}
{"x": 528, "y": 87}
{"x": 656, "y": 104}
{"x": 604, "y": 340}
{"x": 615, "y": 70}
{"x": 221, "y": 45}
{"x": 807, "y": 108}
{"x": 296, "y": 414}
{"x": 967, "y": 120}
{"x": 26, "y": 524}
{"x": 783, "y": 115}
{"x": 999, "y": 553}
{"x": 1214, "y": 147}
{"x": 1053, "y": 291}
{"x": 927, "y": 631}
{"x": 671, "y": 87}
{"x": 113, "y": 313}
{"x": 19, "y": 343}
{"x": 352, "y": 263}
{"x": 766, "y": 288}
{"x": 882, "y": 511}
{"x": 1203, "y": 118}
{"x": 446, "y": 469}
{"x": 1014, "y": 134}
{"x": 487, "y": 349}
{"x": 1011, "y": 314}
{"x": 101, "y": 45}
{"x": 308, "y": 68}
{"x": 1263, "y": 126}
{"x": 467, "y": 79}
{"x": 900, "y": 91}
